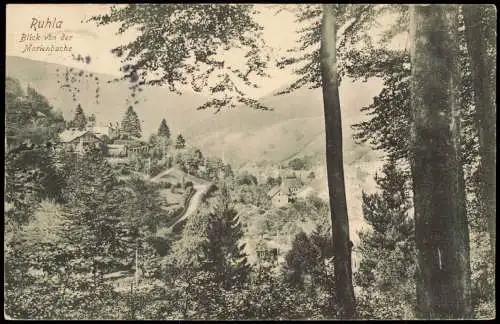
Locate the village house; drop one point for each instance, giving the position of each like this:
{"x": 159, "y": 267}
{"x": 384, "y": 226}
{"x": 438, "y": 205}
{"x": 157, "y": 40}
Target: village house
{"x": 286, "y": 192}
{"x": 79, "y": 140}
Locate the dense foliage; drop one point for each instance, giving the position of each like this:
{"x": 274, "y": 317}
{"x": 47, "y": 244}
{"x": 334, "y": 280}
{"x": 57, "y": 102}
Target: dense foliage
{"x": 388, "y": 290}
{"x": 29, "y": 116}
{"x": 86, "y": 239}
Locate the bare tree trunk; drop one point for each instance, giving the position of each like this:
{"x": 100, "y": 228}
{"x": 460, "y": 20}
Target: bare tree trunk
{"x": 478, "y": 33}
{"x": 335, "y": 169}
{"x": 442, "y": 237}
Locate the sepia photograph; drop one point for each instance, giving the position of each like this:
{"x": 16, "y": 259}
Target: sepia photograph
{"x": 238, "y": 161}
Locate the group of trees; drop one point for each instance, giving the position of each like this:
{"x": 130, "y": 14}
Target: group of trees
{"x": 57, "y": 257}
{"x": 29, "y": 117}
{"x": 130, "y": 125}
{"x": 435, "y": 100}
{"x": 445, "y": 172}
{"x": 69, "y": 221}
{"x": 207, "y": 274}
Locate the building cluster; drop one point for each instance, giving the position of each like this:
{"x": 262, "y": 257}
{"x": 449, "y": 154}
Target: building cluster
{"x": 107, "y": 139}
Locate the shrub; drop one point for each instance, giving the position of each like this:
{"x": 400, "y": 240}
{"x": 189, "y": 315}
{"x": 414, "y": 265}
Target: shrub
{"x": 298, "y": 164}
{"x": 166, "y": 185}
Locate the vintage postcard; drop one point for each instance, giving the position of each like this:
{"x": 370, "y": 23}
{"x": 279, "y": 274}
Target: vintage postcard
{"x": 250, "y": 161}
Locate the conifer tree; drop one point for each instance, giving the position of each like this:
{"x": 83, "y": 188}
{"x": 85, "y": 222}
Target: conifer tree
{"x": 208, "y": 263}
{"x": 388, "y": 288}
{"x": 94, "y": 205}
{"x": 180, "y": 142}
{"x": 307, "y": 258}
{"x": 164, "y": 130}
{"x": 224, "y": 255}
{"x": 131, "y": 124}
{"x": 79, "y": 120}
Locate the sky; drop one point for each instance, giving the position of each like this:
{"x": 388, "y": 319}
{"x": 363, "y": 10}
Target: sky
{"x": 97, "y": 42}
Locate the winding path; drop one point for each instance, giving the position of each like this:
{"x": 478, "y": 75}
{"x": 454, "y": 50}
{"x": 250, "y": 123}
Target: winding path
{"x": 124, "y": 278}
{"x": 201, "y": 187}
{"x": 158, "y": 177}
{"x": 194, "y": 203}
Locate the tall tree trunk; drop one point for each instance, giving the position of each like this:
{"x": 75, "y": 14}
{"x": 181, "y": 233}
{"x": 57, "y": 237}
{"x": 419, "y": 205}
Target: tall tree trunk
{"x": 335, "y": 169}
{"x": 478, "y": 33}
{"x": 442, "y": 237}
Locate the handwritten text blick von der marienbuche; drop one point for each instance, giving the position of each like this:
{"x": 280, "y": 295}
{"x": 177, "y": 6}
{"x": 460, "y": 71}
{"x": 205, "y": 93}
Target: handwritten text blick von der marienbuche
{"x": 45, "y": 31}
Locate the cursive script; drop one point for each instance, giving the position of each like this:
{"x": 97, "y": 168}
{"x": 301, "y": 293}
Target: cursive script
{"x": 39, "y": 23}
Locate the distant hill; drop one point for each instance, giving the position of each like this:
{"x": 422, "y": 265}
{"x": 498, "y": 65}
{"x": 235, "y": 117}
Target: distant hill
{"x": 294, "y": 127}
{"x": 154, "y": 104}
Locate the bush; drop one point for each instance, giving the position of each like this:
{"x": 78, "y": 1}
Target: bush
{"x": 211, "y": 190}
{"x": 166, "y": 185}
{"x": 156, "y": 169}
{"x": 273, "y": 181}
{"x": 247, "y": 179}
{"x": 161, "y": 245}
{"x": 298, "y": 164}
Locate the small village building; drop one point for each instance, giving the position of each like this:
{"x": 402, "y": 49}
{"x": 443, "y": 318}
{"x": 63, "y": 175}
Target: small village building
{"x": 278, "y": 197}
{"x": 286, "y": 192}
{"x": 79, "y": 140}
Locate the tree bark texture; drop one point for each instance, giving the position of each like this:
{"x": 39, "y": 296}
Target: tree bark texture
{"x": 441, "y": 228}
{"x": 478, "y": 32}
{"x": 335, "y": 169}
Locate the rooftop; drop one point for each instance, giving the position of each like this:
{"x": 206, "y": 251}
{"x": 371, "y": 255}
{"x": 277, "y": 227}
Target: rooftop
{"x": 274, "y": 191}
{"x": 71, "y": 134}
